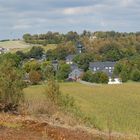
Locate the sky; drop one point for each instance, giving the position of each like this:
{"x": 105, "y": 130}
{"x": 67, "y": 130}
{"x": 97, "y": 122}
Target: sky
{"x": 18, "y": 17}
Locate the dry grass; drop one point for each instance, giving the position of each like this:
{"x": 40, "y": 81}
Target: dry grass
{"x": 20, "y": 45}
{"x": 110, "y": 106}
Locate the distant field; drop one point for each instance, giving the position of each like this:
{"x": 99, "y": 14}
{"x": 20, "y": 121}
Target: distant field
{"x": 14, "y": 46}
{"x": 115, "y": 106}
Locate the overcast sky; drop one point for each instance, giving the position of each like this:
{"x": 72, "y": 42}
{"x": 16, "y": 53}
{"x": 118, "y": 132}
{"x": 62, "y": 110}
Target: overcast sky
{"x": 39, "y": 16}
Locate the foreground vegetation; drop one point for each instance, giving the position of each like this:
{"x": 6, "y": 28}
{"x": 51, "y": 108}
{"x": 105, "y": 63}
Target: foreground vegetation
{"x": 114, "y": 107}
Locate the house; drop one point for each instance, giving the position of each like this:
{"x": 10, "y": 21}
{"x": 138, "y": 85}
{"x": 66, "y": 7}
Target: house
{"x": 107, "y": 67}
{"x": 75, "y": 72}
{"x": 69, "y": 59}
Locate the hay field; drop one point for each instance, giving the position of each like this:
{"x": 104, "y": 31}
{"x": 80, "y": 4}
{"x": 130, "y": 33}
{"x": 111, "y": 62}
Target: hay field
{"x": 110, "y": 106}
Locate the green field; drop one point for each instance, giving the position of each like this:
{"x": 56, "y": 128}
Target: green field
{"x": 19, "y": 45}
{"x": 115, "y": 106}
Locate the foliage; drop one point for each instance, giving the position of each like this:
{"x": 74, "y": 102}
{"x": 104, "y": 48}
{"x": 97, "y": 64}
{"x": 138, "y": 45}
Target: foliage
{"x": 135, "y": 75}
{"x": 63, "y": 72}
{"x": 83, "y": 60}
{"x": 16, "y": 61}
{"x": 61, "y": 51}
{"x": 98, "y": 77}
{"x": 34, "y": 77}
{"x": 11, "y": 84}
{"x": 88, "y": 76}
{"x": 103, "y": 78}
{"x": 43, "y": 39}
{"x": 32, "y": 65}
{"x": 47, "y": 70}
{"x": 127, "y": 69}
{"x": 36, "y": 52}
{"x": 124, "y": 76}
{"x": 52, "y": 90}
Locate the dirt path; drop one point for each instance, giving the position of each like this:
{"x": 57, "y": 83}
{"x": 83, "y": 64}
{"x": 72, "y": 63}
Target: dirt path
{"x": 26, "y": 128}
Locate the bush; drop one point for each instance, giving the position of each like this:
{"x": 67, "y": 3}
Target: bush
{"x": 103, "y": 78}
{"x": 135, "y": 75}
{"x": 98, "y": 77}
{"x": 34, "y": 77}
{"x": 63, "y": 71}
{"x": 88, "y": 76}
{"x": 52, "y": 90}
{"x": 124, "y": 76}
{"x": 11, "y": 86}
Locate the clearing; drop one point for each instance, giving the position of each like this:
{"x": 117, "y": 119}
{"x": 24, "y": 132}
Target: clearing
{"x": 20, "y": 45}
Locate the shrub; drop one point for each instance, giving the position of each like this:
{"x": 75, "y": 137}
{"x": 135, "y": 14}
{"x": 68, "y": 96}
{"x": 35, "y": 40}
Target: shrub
{"x": 34, "y": 77}
{"x": 103, "y": 78}
{"x": 124, "y": 76}
{"x": 11, "y": 86}
{"x": 88, "y": 76}
{"x": 63, "y": 71}
{"x": 98, "y": 77}
{"x": 52, "y": 90}
{"x": 135, "y": 75}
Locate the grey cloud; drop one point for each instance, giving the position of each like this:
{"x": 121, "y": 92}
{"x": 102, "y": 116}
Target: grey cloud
{"x": 36, "y": 16}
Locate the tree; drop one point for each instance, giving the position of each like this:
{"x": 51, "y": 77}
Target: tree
{"x": 52, "y": 90}
{"x": 124, "y": 76}
{"x": 21, "y": 55}
{"x": 27, "y": 37}
{"x": 36, "y": 52}
{"x": 32, "y": 65}
{"x": 63, "y": 71}
{"x": 16, "y": 61}
{"x": 88, "y": 76}
{"x": 103, "y": 78}
{"x": 34, "y": 77}
{"x": 135, "y": 75}
{"x": 83, "y": 60}
{"x": 11, "y": 85}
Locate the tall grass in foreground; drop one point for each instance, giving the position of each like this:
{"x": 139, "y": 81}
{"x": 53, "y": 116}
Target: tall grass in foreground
{"x": 53, "y": 102}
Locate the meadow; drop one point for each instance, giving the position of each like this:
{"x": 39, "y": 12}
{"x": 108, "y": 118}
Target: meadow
{"x": 20, "y": 45}
{"x": 115, "y": 107}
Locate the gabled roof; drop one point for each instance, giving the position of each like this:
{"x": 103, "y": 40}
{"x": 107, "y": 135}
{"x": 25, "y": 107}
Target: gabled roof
{"x": 70, "y": 57}
{"x": 74, "y": 67}
{"x": 102, "y": 64}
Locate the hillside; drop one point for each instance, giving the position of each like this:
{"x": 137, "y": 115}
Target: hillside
{"x": 20, "y": 45}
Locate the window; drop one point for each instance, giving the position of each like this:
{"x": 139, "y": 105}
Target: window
{"x": 106, "y": 68}
{"x": 110, "y": 68}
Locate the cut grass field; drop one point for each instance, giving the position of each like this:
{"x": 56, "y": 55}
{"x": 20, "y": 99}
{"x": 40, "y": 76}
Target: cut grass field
{"x": 110, "y": 106}
{"x": 19, "y": 45}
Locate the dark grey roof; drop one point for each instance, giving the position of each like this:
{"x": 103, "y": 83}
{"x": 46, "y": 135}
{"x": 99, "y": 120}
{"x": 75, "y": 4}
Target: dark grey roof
{"x": 73, "y": 66}
{"x": 102, "y": 64}
{"x": 70, "y": 57}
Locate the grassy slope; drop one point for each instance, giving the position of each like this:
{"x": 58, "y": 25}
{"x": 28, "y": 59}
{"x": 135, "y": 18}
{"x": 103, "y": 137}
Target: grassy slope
{"x": 116, "y": 105}
{"x": 22, "y": 46}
